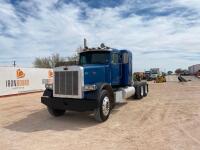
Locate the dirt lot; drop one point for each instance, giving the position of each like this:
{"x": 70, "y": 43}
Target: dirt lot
{"x": 169, "y": 118}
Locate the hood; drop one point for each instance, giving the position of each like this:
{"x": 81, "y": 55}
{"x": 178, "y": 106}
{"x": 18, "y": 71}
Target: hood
{"x": 94, "y": 74}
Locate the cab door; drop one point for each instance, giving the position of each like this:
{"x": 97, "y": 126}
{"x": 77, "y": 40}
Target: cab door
{"x": 115, "y": 69}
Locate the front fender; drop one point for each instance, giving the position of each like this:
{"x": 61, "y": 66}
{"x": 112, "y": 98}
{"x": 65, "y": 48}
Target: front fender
{"x": 95, "y": 95}
{"x": 108, "y": 87}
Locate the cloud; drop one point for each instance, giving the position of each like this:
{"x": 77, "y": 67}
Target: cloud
{"x": 160, "y": 51}
{"x": 159, "y": 32}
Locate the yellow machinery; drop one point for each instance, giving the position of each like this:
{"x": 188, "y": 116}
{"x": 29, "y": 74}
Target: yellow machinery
{"x": 160, "y": 79}
{"x": 138, "y": 76}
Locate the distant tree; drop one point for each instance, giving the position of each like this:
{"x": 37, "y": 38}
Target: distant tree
{"x": 41, "y": 63}
{"x": 178, "y": 71}
{"x": 73, "y": 57}
{"x": 72, "y": 60}
{"x": 48, "y": 62}
{"x": 55, "y": 60}
{"x": 170, "y": 72}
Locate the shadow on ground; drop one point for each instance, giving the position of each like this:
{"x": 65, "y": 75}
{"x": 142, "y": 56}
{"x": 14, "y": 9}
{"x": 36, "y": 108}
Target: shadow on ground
{"x": 41, "y": 120}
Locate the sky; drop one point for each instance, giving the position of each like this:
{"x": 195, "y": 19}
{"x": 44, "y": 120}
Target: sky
{"x": 160, "y": 33}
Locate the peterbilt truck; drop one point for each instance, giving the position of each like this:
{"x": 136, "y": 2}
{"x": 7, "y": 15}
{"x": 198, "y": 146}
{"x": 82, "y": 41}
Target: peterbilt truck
{"x": 102, "y": 79}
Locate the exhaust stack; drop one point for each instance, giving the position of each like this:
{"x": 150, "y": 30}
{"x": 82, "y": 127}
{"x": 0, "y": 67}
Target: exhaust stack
{"x": 85, "y": 43}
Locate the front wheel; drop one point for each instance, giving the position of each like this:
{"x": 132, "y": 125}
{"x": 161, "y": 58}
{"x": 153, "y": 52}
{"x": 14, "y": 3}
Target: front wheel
{"x": 55, "y": 112}
{"x": 103, "y": 111}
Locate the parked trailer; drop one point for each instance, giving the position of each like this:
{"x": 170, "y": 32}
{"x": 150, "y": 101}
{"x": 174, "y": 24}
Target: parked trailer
{"x": 193, "y": 70}
{"x": 102, "y": 79}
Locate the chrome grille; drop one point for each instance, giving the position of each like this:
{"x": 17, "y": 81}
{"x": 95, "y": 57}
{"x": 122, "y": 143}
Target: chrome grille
{"x": 66, "y": 83}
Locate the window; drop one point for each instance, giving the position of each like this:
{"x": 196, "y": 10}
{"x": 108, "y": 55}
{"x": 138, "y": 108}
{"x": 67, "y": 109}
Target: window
{"x": 125, "y": 58}
{"x": 99, "y": 59}
{"x": 115, "y": 58}
{"x": 94, "y": 58}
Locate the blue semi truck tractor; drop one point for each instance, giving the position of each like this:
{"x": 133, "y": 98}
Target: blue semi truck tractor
{"x": 102, "y": 79}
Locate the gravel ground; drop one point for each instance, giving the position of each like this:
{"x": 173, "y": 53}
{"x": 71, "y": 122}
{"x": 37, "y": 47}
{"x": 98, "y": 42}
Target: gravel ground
{"x": 169, "y": 118}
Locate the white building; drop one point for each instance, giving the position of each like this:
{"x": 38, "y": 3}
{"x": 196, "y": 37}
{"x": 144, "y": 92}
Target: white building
{"x": 194, "y": 69}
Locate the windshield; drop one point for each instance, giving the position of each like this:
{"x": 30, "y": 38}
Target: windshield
{"x": 94, "y": 58}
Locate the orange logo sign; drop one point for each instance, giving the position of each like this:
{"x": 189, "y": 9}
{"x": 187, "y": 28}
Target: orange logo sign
{"x": 50, "y": 74}
{"x": 20, "y": 73}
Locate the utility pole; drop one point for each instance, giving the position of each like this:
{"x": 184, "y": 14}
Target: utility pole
{"x": 14, "y": 63}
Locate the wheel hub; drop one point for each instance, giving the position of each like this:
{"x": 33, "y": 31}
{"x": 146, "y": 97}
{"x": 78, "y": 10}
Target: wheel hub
{"x": 142, "y": 91}
{"x": 106, "y": 106}
{"x": 146, "y": 89}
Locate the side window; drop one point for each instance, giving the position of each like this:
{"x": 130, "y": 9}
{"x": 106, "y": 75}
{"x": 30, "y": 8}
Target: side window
{"x": 115, "y": 58}
{"x": 125, "y": 58}
{"x": 83, "y": 60}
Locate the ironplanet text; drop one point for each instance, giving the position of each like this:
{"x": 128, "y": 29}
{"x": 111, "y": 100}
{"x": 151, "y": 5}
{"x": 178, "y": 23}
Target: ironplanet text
{"x": 17, "y": 83}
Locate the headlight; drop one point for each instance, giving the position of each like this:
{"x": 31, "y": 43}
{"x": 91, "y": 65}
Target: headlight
{"x": 49, "y": 86}
{"x": 90, "y": 87}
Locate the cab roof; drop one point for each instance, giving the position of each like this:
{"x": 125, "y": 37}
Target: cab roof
{"x": 102, "y": 50}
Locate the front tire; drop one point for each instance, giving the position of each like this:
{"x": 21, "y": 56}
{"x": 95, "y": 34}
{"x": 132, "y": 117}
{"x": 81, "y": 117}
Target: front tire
{"x": 56, "y": 112}
{"x": 48, "y": 93}
{"x": 102, "y": 113}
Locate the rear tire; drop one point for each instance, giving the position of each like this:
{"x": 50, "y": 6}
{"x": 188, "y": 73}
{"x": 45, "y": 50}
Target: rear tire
{"x": 139, "y": 92}
{"x": 55, "y": 112}
{"x": 102, "y": 113}
{"x": 145, "y": 90}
